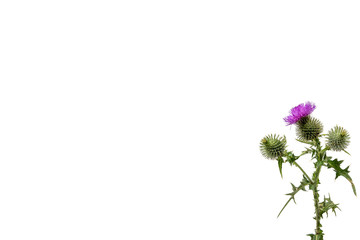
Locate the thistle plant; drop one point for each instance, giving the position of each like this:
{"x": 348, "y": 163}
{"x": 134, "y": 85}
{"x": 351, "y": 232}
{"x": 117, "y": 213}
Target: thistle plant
{"x": 309, "y": 131}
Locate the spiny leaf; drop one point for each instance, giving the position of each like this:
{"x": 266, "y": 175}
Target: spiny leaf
{"x": 326, "y": 205}
{"x": 308, "y": 150}
{"x": 316, "y": 237}
{"x": 295, "y": 189}
{"x": 291, "y": 158}
{"x": 280, "y": 162}
{"x": 335, "y": 164}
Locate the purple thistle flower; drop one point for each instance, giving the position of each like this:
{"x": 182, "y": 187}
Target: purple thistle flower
{"x": 300, "y": 111}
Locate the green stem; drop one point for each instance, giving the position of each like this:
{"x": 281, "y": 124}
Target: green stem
{"x": 307, "y": 176}
{"x": 319, "y": 154}
{"x": 318, "y": 231}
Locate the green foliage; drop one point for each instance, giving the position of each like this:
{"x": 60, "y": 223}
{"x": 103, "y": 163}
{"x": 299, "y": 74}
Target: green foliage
{"x": 280, "y": 162}
{"x": 273, "y": 146}
{"x": 317, "y": 236}
{"x": 302, "y": 186}
{"x": 290, "y": 157}
{"x": 308, "y": 128}
{"x": 335, "y": 165}
{"x": 295, "y": 190}
{"x": 338, "y": 139}
{"x": 326, "y": 205}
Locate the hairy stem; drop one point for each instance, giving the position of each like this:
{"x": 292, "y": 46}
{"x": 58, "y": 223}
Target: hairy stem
{"x": 319, "y": 163}
{"x": 318, "y": 231}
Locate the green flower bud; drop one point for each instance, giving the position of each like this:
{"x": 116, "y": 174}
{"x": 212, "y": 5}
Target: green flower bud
{"x": 273, "y": 146}
{"x": 338, "y": 138}
{"x": 308, "y": 128}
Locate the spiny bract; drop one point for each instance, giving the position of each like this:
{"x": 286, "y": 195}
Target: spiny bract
{"x": 308, "y": 128}
{"x": 338, "y": 138}
{"x": 273, "y": 146}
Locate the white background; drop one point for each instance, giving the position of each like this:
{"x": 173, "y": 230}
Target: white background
{"x": 142, "y": 119}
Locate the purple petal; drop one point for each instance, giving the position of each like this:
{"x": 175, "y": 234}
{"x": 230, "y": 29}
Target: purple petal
{"x": 300, "y": 111}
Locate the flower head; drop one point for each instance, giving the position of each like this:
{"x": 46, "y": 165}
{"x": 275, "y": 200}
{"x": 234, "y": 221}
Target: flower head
{"x": 338, "y": 138}
{"x": 273, "y": 146}
{"x": 300, "y": 111}
{"x": 308, "y": 128}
